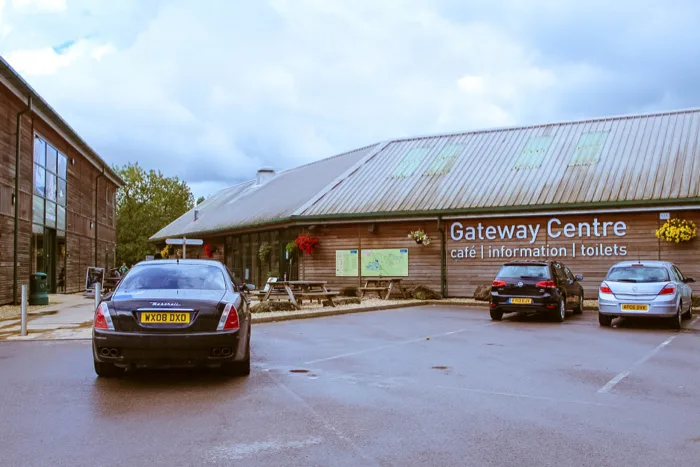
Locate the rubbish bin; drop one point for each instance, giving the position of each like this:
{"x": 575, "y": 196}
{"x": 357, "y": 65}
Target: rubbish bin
{"x": 38, "y": 289}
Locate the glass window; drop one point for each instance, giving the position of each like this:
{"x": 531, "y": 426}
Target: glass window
{"x": 51, "y": 158}
{"x": 61, "y": 218}
{"x": 50, "y": 214}
{"x": 62, "y": 165}
{"x": 39, "y": 180}
{"x": 525, "y": 271}
{"x": 38, "y": 210}
{"x": 38, "y": 251}
{"x": 37, "y": 228}
{"x": 638, "y": 274}
{"x": 62, "y": 192}
{"x": 172, "y": 277}
{"x": 50, "y": 186}
{"x": 61, "y": 234}
{"x": 39, "y": 151}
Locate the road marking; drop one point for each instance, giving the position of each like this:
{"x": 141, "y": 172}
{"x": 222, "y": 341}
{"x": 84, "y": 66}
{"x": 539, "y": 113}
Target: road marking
{"x": 388, "y": 346}
{"x": 243, "y": 450}
{"x": 324, "y": 421}
{"x": 613, "y": 382}
{"x": 521, "y": 396}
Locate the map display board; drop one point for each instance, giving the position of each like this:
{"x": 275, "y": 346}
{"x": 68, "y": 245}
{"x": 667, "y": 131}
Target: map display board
{"x": 387, "y": 262}
{"x": 346, "y": 263}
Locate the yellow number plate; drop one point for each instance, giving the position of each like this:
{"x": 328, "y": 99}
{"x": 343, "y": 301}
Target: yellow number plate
{"x": 634, "y": 307}
{"x": 522, "y": 301}
{"x": 150, "y": 317}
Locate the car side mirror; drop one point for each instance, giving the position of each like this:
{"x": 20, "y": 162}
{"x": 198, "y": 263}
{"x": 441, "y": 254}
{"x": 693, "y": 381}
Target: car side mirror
{"x": 247, "y": 288}
{"x": 578, "y": 277}
{"x": 688, "y": 280}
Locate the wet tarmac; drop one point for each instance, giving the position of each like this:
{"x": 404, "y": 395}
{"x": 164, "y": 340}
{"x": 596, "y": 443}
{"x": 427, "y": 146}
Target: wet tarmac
{"x": 419, "y": 386}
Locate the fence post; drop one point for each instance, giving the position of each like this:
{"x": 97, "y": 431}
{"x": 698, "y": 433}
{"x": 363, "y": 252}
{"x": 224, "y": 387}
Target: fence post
{"x": 24, "y": 310}
{"x": 98, "y": 292}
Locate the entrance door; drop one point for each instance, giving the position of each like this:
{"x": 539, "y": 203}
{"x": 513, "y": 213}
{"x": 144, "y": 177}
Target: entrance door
{"x": 50, "y": 259}
{"x": 61, "y": 262}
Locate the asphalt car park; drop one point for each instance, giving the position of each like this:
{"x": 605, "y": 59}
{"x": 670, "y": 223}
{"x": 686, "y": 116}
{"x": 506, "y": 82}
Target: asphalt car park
{"x": 434, "y": 385}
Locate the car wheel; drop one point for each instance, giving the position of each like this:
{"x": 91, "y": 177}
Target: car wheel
{"x": 677, "y": 321}
{"x": 496, "y": 315}
{"x": 560, "y": 314}
{"x": 107, "y": 370}
{"x": 579, "y": 308}
{"x": 689, "y": 314}
{"x": 605, "y": 320}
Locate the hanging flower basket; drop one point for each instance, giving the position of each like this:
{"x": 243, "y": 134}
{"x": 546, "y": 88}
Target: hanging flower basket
{"x": 291, "y": 248}
{"x": 209, "y": 250}
{"x": 264, "y": 252}
{"x": 677, "y": 230}
{"x": 165, "y": 252}
{"x": 307, "y": 243}
{"x": 419, "y": 237}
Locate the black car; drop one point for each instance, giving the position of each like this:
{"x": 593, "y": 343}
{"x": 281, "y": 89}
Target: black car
{"x": 173, "y": 313}
{"x": 538, "y": 286}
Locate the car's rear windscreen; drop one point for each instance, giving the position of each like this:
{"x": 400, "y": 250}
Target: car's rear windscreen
{"x": 524, "y": 271}
{"x": 638, "y": 274}
{"x": 174, "y": 276}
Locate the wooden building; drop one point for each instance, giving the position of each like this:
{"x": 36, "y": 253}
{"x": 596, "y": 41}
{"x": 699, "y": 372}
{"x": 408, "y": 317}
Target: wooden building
{"x": 590, "y": 193}
{"x": 57, "y": 196}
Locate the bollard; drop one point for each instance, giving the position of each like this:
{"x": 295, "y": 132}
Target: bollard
{"x": 98, "y": 294}
{"x": 24, "y": 310}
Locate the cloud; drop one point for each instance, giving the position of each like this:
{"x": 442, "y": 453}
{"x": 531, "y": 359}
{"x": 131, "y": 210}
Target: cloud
{"x": 210, "y": 94}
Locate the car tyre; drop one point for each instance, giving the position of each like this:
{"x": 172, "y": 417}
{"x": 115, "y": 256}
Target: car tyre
{"x": 560, "y": 314}
{"x": 689, "y": 314}
{"x": 241, "y": 368}
{"x": 579, "y": 308}
{"x": 605, "y": 320}
{"x": 677, "y": 321}
{"x": 496, "y": 315}
{"x": 107, "y": 370}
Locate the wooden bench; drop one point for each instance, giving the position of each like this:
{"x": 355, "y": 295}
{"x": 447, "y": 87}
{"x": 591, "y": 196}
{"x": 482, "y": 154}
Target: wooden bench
{"x": 379, "y": 290}
{"x": 317, "y": 295}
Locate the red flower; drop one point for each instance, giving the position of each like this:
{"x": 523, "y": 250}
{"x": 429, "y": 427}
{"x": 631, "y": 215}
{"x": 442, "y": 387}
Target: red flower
{"x": 209, "y": 250}
{"x": 307, "y": 244}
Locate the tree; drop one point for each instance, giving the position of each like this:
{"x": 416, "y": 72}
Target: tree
{"x": 148, "y": 202}
{"x": 200, "y": 200}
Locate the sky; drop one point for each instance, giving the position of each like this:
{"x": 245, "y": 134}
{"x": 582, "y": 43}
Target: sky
{"x": 212, "y": 90}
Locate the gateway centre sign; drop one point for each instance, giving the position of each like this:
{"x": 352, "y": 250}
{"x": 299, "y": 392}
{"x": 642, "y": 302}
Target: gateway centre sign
{"x": 581, "y": 234}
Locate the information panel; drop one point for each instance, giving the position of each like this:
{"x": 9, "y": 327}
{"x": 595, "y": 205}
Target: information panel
{"x": 387, "y": 262}
{"x": 346, "y": 263}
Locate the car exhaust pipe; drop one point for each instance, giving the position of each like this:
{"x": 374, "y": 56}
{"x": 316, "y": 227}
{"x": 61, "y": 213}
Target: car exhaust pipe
{"x": 113, "y": 352}
{"x": 225, "y": 351}
{"x": 216, "y": 352}
{"x": 104, "y": 352}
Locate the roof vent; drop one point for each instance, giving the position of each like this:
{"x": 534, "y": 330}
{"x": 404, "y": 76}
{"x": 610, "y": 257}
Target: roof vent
{"x": 265, "y": 174}
{"x": 196, "y": 214}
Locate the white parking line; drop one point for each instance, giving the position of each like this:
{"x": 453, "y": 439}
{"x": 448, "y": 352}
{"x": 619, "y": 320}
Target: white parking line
{"x": 613, "y": 382}
{"x": 521, "y": 396}
{"x": 396, "y": 344}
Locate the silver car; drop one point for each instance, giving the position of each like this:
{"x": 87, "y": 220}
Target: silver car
{"x": 655, "y": 289}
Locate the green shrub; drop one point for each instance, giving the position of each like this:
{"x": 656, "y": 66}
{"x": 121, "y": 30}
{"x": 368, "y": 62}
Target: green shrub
{"x": 265, "y": 307}
{"x": 483, "y": 293}
{"x": 343, "y": 301}
{"x": 424, "y": 293}
{"x": 696, "y": 302}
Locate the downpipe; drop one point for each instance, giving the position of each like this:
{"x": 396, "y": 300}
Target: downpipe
{"x": 97, "y": 179}
{"x": 18, "y": 147}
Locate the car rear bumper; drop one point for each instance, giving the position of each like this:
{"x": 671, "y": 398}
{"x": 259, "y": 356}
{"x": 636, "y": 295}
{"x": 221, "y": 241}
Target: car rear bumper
{"x": 169, "y": 350}
{"x": 539, "y": 304}
{"x": 656, "y": 310}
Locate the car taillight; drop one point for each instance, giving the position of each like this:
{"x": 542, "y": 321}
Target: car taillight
{"x": 546, "y": 284}
{"x": 499, "y": 283}
{"x": 669, "y": 289}
{"x": 605, "y": 289}
{"x": 102, "y": 318}
{"x": 229, "y": 319}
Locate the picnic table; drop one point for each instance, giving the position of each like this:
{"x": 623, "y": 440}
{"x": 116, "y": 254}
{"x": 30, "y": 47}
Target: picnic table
{"x": 297, "y": 291}
{"x": 382, "y": 285}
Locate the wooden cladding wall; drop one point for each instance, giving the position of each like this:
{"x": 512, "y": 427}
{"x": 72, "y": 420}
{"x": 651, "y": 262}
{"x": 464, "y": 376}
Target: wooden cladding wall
{"x": 80, "y": 203}
{"x": 423, "y": 261}
{"x": 465, "y": 273}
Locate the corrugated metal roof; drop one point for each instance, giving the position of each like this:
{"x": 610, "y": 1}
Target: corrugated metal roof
{"x": 13, "y": 79}
{"x": 248, "y": 204}
{"x": 609, "y": 160}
